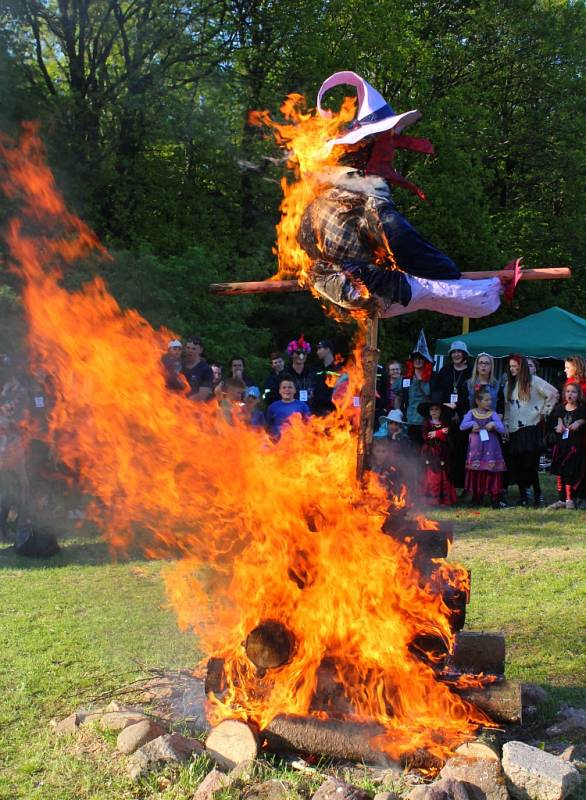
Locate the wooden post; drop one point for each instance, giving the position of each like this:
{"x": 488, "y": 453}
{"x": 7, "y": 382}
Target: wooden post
{"x": 465, "y": 325}
{"x": 370, "y": 356}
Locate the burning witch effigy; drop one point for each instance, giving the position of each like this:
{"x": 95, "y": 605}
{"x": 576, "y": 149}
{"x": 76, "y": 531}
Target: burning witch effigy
{"x": 318, "y": 609}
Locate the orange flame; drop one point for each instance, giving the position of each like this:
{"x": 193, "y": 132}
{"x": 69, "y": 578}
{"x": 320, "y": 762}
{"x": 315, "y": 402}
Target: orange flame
{"x": 305, "y": 138}
{"x": 238, "y": 514}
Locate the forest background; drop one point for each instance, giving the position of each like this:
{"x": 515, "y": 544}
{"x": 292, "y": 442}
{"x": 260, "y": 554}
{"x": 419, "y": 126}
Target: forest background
{"x": 143, "y": 108}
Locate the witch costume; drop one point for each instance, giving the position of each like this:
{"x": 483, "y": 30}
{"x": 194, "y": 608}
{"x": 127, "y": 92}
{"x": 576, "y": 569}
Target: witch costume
{"x": 568, "y": 459}
{"x": 365, "y": 254}
{"x": 437, "y": 484}
{"x": 485, "y": 463}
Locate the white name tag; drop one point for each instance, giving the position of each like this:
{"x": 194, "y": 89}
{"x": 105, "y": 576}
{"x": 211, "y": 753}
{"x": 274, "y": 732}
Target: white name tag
{"x": 406, "y": 383}
{"x": 39, "y": 401}
{"x": 356, "y": 401}
{"x": 484, "y": 437}
{"x": 303, "y": 395}
{"x": 566, "y": 433}
{"x": 453, "y": 398}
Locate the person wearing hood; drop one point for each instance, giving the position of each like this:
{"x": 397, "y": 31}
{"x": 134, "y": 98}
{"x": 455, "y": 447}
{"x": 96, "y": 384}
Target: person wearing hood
{"x": 416, "y": 387}
{"x": 451, "y": 385}
{"x": 437, "y": 483}
{"x": 365, "y": 254}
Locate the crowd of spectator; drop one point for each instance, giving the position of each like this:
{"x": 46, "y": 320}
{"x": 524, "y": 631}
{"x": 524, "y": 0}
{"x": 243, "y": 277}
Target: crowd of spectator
{"x": 472, "y": 432}
{"x": 459, "y": 428}
{"x": 291, "y": 387}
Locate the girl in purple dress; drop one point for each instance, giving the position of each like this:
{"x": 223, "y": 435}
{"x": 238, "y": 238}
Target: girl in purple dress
{"x": 484, "y": 462}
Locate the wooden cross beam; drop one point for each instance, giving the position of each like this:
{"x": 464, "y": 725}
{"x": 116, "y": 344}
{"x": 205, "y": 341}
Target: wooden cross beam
{"x": 370, "y": 352}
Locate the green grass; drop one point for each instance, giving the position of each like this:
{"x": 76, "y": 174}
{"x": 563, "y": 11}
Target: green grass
{"x": 79, "y": 627}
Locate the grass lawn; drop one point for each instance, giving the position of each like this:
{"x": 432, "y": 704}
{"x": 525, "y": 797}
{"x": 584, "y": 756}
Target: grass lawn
{"x": 80, "y": 626}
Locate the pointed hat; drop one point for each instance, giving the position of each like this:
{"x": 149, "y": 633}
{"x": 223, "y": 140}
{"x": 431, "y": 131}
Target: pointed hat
{"x": 374, "y": 114}
{"x": 422, "y": 348}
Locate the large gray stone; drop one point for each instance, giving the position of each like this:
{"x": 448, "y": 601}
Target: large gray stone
{"x": 533, "y": 774}
{"x": 444, "y": 789}
{"x": 170, "y": 747}
{"x": 334, "y": 789}
{"x": 135, "y": 736}
{"x": 483, "y": 777}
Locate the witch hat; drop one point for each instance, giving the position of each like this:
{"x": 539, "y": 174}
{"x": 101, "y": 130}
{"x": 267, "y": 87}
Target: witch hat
{"x": 422, "y": 348}
{"x": 374, "y": 114}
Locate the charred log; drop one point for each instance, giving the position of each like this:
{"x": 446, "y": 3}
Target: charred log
{"x": 269, "y": 645}
{"x": 330, "y": 737}
{"x": 501, "y": 701}
{"x": 477, "y": 651}
{"x": 215, "y": 681}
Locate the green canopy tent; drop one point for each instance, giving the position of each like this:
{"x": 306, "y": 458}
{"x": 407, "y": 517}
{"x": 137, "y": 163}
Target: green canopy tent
{"x": 553, "y": 333}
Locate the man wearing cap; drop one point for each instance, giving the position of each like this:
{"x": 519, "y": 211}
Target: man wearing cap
{"x": 325, "y": 379}
{"x": 171, "y": 362}
{"x": 365, "y": 254}
{"x": 196, "y": 370}
{"x": 252, "y": 412}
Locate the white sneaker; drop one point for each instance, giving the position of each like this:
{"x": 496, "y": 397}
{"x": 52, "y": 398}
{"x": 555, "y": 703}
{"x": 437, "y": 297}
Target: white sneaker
{"x": 570, "y": 504}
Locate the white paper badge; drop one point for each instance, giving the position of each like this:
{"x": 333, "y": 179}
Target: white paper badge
{"x": 406, "y": 383}
{"x": 356, "y": 401}
{"x": 303, "y": 395}
{"x": 566, "y": 433}
{"x": 454, "y": 397}
{"x": 484, "y": 437}
{"x": 39, "y": 401}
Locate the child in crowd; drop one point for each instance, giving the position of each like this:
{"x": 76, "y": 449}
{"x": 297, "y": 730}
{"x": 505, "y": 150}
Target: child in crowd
{"x": 231, "y": 404}
{"x": 568, "y": 457}
{"x": 391, "y": 445}
{"x": 279, "y": 412}
{"x": 484, "y": 462}
{"x": 253, "y": 413}
{"x": 437, "y": 484}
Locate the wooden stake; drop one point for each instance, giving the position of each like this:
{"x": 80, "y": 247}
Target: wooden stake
{"x": 370, "y": 356}
{"x": 279, "y": 287}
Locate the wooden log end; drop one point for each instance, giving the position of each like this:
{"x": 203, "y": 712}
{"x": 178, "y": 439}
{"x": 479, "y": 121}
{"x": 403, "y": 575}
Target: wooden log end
{"x": 232, "y": 742}
{"x": 269, "y": 645}
{"x": 479, "y": 651}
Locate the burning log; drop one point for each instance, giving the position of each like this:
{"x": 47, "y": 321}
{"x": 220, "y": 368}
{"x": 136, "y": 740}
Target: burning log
{"x": 232, "y": 742}
{"x": 215, "y": 681}
{"x": 501, "y": 701}
{"x": 477, "y": 651}
{"x": 330, "y": 737}
{"x": 269, "y": 645}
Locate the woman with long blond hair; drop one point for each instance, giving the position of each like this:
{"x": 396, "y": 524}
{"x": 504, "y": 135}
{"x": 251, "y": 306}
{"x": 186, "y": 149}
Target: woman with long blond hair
{"x": 483, "y": 379}
{"x": 528, "y": 401}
